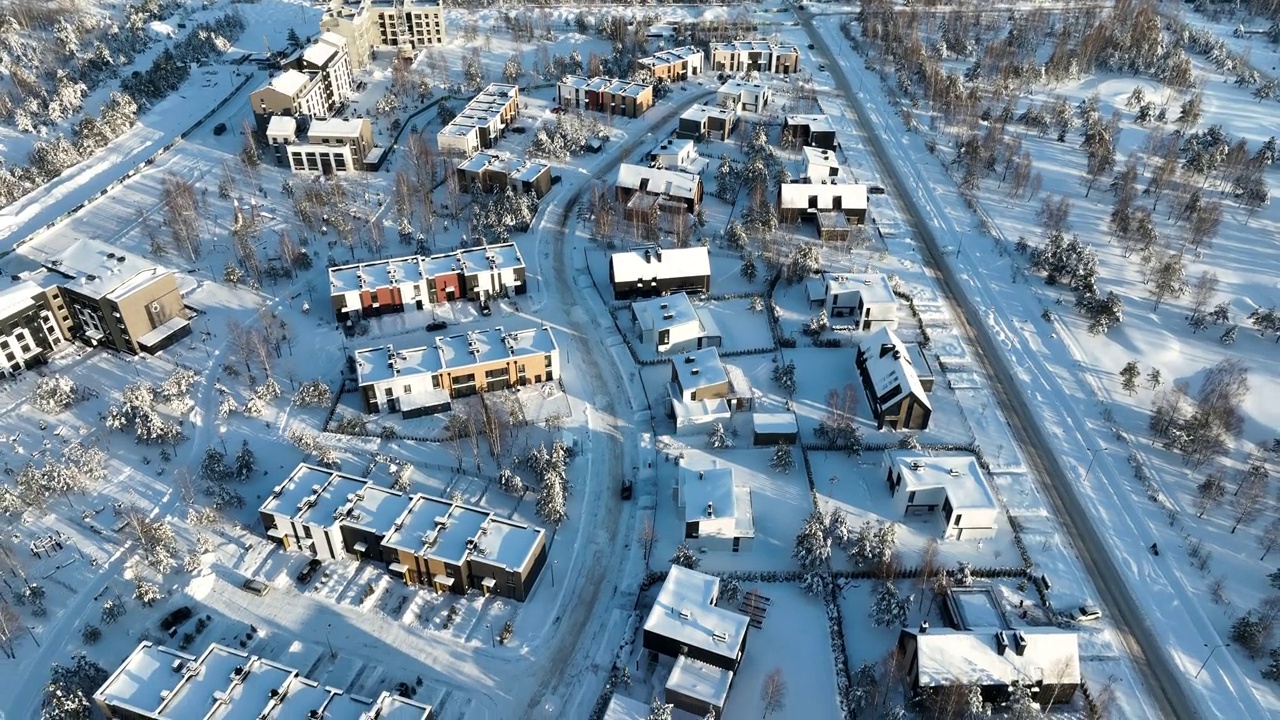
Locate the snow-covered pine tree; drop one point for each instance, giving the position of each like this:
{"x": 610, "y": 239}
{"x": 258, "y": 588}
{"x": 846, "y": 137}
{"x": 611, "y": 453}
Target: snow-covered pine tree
{"x": 1129, "y": 375}
{"x": 813, "y": 545}
{"x": 864, "y": 687}
{"x": 718, "y": 439}
{"x": 146, "y": 593}
{"x": 659, "y": 710}
{"x": 814, "y": 584}
{"x": 509, "y": 482}
{"x": 975, "y": 708}
{"x": 785, "y": 376}
{"x": 552, "y": 505}
{"x": 731, "y": 590}
{"x": 246, "y": 463}
{"x": 66, "y": 696}
{"x": 53, "y": 394}
{"x": 684, "y": 557}
{"x": 113, "y": 610}
{"x": 889, "y": 608}
{"x": 226, "y": 406}
{"x": 313, "y": 393}
{"x": 1022, "y": 706}
{"x": 214, "y": 467}
{"x": 783, "y": 460}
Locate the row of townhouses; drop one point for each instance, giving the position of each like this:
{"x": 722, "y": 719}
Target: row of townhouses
{"x": 421, "y": 539}
{"x": 92, "y": 293}
{"x": 223, "y": 683}
{"x": 482, "y": 122}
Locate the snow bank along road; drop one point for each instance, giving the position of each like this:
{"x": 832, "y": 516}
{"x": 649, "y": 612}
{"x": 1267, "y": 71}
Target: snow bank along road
{"x": 1159, "y": 671}
{"x": 562, "y": 665}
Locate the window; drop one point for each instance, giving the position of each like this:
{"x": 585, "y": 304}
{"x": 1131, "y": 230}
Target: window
{"x": 911, "y": 496}
{"x": 387, "y": 392}
{"x": 435, "y": 382}
{"x": 548, "y": 361}
{"x": 408, "y": 389}
{"x": 958, "y": 516}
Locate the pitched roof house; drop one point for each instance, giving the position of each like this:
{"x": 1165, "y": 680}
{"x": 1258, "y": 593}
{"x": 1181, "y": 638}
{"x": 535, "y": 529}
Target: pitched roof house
{"x": 896, "y": 378}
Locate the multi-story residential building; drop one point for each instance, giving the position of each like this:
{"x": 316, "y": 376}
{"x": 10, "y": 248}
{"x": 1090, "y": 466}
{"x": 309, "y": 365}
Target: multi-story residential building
{"x": 677, "y": 154}
{"x": 222, "y": 683}
{"x": 326, "y": 146}
{"x": 383, "y": 287}
{"x": 368, "y": 24}
{"x": 316, "y": 82}
{"x": 672, "y": 325}
{"x": 482, "y": 122}
{"x": 606, "y": 95}
{"x": 809, "y": 130}
{"x": 717, "y": 510}
{"x": 897, "y": 379}
{"x": 739, "y": 96}
{"x": 33, "y": 323}
{"x": 425, "y": 380}
{"x": 950, "y": 486}
{"x": 421, "y": 539}
{"x": 119, "y": 300}
{"x": 674, "y": 65}
{"x": 743, "y": 56}
{"x": 649, "y": 271}
{"x": 646, "y": 192}
{"x": 492, "y": 172}
{"x": 705, "y": 122}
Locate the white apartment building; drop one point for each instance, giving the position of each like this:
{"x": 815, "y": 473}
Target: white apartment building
{"x": 329, "y": 145}
{"x": 407, "y": 25}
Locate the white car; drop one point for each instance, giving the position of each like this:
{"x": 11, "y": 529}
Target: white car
{"x": 1086, "y": 613}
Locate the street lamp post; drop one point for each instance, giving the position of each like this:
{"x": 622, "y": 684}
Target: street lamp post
{"x": 327, "y": 628}
{"x": 553, "y": 572}
{"x": 1092, "y": 457}
{"x": 490, "y": 629}
{"x": 1211, "y": 652}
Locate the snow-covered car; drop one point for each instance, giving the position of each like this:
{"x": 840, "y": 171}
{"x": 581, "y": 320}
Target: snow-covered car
{"x": 1086, "y": 613}
{"x": 255, "y": 586}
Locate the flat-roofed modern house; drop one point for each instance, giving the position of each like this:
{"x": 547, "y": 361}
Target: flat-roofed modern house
{"x": 119, "y": 300}
{"x": 1046, "y": 659}
{"x": 674, "y": 65}
{"x": 703, "y": 391}
{"x": 482, "y": 122}
{"x": 809, "y": 130}
{"x": 685, "y": 622}
{"x": 867, "y": 299}
{"x": 222, "y": 683}
{"x": 672, "y": 191}
{"x": 677, "y": 154}
{"x": 477, "y": 273}
{"x": 316, "y": 82}
{"x": 706, "y": 122}
{"x": 493, "y": 172}
{"x": 717, "y": 510}
{"x": 698, "y": 688}
{"x": 421, "y": 539}
{"x": 949, "y": 485}
{"x": 743, "y": 56}
{"x": 896, "y": 378}
{"x": 377, "y": 287}
{"x": 699, "y": 375}
{"x": 326, "y": 146}
{"x": 740, "y": 96}
{"x": 671, "y": 324}
{"x": 822, "y": 163}
{"x": 33, "y": 324}
{"x": 425, "y": 380}
{"x": 621, "y": 707}
{"x": 406, "y": 25}
{"x": 607, "y": 95}
{"x": 649, "y": 271}
{"x": 811, "y": 197}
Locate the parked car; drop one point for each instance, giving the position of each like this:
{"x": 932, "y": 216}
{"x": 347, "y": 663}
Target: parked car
{"x": 256, "y": 586}
{"x": 822, "y": 67}
{"x": 219, "y": 128}
{"x": 519, "y": 129}
{"x": 436, "y": 325}
{"x": 810, "y": 46}
{"x": 1086, "y": 613}
{"x": 875, "y": 190}
{"x": 485, "y": 308}
{"x": 171, "y": 622}
{"x": 627, "y": 489}
{"x": 309, "y": 571}
{"x": 557, "y": 110}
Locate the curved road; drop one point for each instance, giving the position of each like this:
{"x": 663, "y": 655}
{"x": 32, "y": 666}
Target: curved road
{"x": 1159, "y": 673}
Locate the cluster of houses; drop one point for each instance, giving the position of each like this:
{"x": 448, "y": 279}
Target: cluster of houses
{"x": 93, "y": 293}
{"x": 423, "y": 540}
{"x": 159, "y": 683}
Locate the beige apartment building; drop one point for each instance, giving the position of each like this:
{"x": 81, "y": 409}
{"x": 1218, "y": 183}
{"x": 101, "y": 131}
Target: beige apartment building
{"x": 674, "y": 65}
{"x": 34, "y": 322}
{"x": 743, "y": 56}
{"x": 407, "y": 25}
{"x": 316, "y": 82}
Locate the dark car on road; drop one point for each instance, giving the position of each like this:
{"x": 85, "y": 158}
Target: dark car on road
{"x": 436, "y": 325}
{"x": 485, "y": 308}
{"x": 171, "y": 622}
{"x": 219, "y": 128}
{"x": 309, "y": 571}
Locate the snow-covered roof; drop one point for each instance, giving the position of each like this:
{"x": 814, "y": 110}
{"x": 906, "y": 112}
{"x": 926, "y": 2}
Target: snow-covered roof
{"x": 387, "y": 362}
{"x": 624, "y": 708}
{"x": 795, "y": 195}
{"x": 958, "y": 473}
{"x": 282, "y": 126}
{"x": 890, "y": 367}
{"x": 375, "y": 508}
{"x": 739, "y": 88}
{"x": 203, "y": 683}
{"x": 873, "y": 288}
{"x": 376, "y": 274}
{"x": 141, "y": 681}
{"x": 699, "y": 368}
{"x": 700, "y": 113}
{"x": 815, "y": 123}
{"x": 610, "y": 85}
{"x": 697, "y": 410}
{"x": 300, "y": 698}
{"x": 668, "y": 57}
{"x": 741, "y": 46}
{"x": 319, "y": 53}
{"x": 18, "y": 298}
{"x": 100, "y": 270}
{"x": 700, "y": 681}
{"x": 483, "y": 110}
{"x": 673, "y": 146}
{"x": 155, "y": 335}
{"x": 433, "y": 527}
{"x": 820, "y": 162}
{"x": 700, "y": 487}
{"x": 651, "y": 263}
{"x": 656, "y": 181}
{"x": 946, "y": 657}
{"x": 664, "y": 313}
{"x": 289, "y": 82}
{"x": 245, "y": 698}
{"x": 507, "y": 544}
{"x": 683, "y": 611}
{"x": 486, "y": 346}
{"x": 336, "y": 128}
{"x": 773, "y": 423}
{"x": 394, "y": 707}
{"x": 500, "y": 257}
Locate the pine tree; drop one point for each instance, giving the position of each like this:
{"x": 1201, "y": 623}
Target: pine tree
{"x": 1129, "y": 375}
{"x": 659, "y": 710}
{"x": 684, "y": 557}
{"x": 749, "y": 271}
{"x": 1209, "y": 492}
{"x": 1022, "y": 706}
{"x": 294, "y": 40}
{"x": 509, "y": 482}
{"x": 552, "y": 502}
{"x": 975, "y": 708}
{"x": 718, "y": 438}
{"x": 1229, "y": 335}
{"x": 783, "y": 461}
{"x": 813, "y": 545}
{"x": 889, "y": 608}
{"x": 1154, "y": 379}
{"x": 246, "y": 463}
{"x": 785, "y": 377}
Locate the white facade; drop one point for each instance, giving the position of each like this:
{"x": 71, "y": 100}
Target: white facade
{"x": 867, "y": 299}
{"x": 739, "y": 95}
{"x": 951, "y": 486}
{"x": 821, "y": 194}
{"x": 717, "y": 510}
{"x": 676, "y": 154}
{"x": 672, "y": 325}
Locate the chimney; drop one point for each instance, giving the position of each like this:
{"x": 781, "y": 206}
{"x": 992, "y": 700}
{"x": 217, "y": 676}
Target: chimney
{"x": 701, "y": 474}
{"x": 1002, "y": 642}
{"x": 924, "y": 626}
{"x": 648, "y": 257}
{"x": 711, "y": 512}
{"x": 657, "y": 253}
{"x": 1019, "y": 643}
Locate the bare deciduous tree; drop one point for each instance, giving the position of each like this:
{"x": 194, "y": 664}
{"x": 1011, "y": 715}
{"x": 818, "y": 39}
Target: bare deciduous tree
{"x": 773, "y": 692}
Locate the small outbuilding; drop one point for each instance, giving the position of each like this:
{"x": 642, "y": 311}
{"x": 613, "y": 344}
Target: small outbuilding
{"x": 768, "y": 429}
